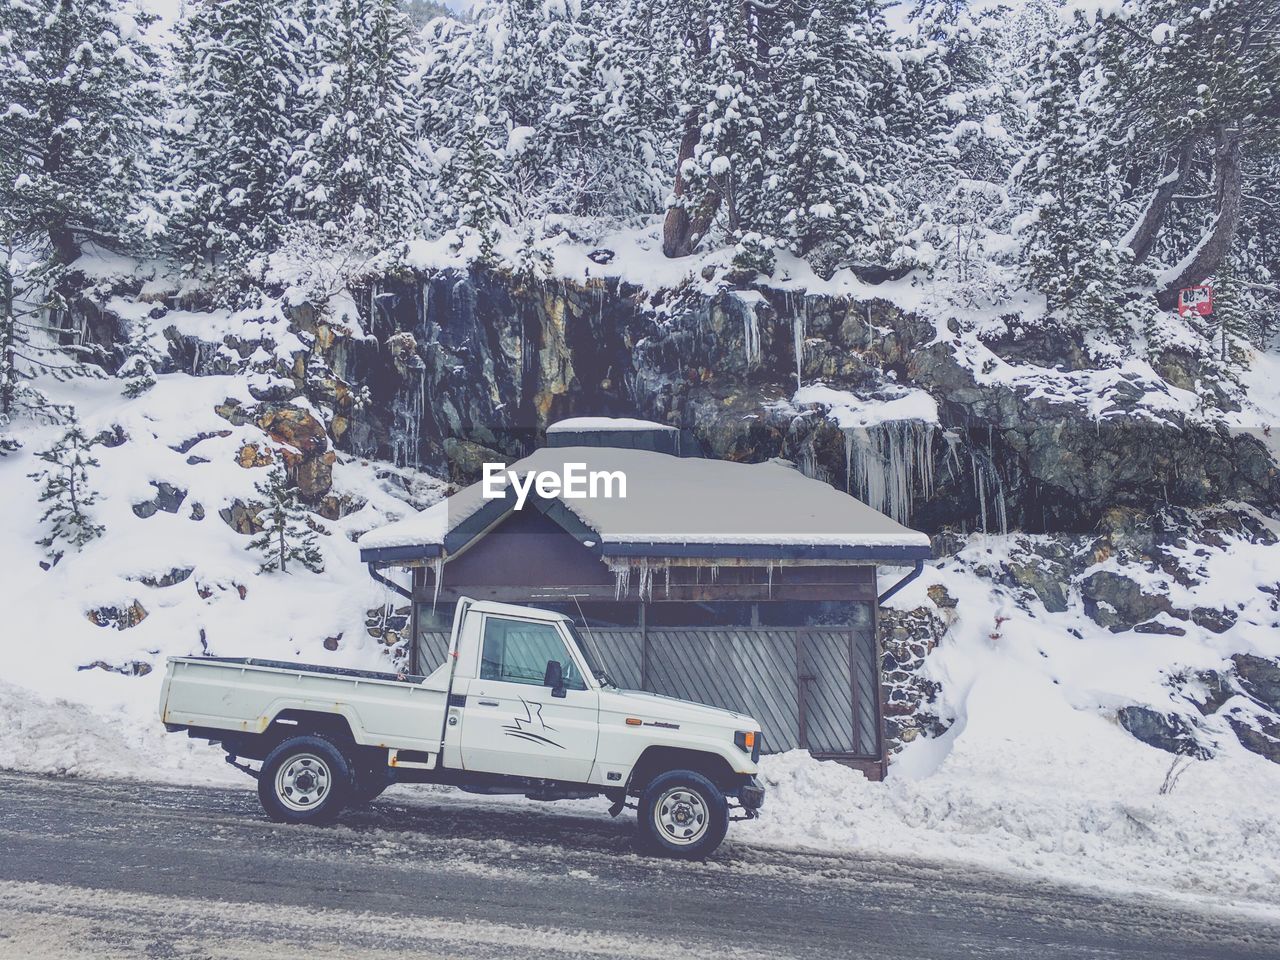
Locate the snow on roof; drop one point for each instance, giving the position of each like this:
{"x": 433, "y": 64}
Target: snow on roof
{"x": 675, "y": 500}
{"x": 606, "y": 424}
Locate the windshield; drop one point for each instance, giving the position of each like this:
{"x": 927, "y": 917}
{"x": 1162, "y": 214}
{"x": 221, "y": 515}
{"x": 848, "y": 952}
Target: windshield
{"x": 590, "y": 654}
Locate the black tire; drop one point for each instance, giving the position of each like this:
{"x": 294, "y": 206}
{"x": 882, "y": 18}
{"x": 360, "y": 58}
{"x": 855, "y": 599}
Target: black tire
{"x": 305, "y": 779}
{"x": 665, "y": 804}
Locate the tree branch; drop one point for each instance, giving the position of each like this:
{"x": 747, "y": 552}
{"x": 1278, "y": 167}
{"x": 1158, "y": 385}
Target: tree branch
{"x": 1207, "y": 255}
{"x": 1143, "y": 234}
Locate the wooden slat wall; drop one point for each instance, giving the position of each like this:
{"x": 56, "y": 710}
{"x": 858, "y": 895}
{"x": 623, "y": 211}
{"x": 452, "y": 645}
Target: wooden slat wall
{"x": 750, "y": 670}
{"x": 825, "y": 662}
{"x": 433, "y": 645}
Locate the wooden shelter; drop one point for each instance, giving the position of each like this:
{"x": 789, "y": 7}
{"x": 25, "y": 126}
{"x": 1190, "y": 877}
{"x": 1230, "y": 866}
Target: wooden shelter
{"x": 745, "y": 586}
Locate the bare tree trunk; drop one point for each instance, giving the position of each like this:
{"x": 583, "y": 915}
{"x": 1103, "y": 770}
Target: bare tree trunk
{"x": 681, "y": 230}
{"x": 1176, "y": 167}
{"x": 1215, "y": 244}
{"x": 8, "y": 373}
{"x": 65, "y": 244}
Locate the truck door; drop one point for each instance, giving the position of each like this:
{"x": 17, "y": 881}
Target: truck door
{"x": 514, "y": 724}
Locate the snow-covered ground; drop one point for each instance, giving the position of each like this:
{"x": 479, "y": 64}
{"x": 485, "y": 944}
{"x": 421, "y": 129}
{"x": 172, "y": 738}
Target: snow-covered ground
{"x": 1034, "y": 773}
{"x": 50, "y": 649}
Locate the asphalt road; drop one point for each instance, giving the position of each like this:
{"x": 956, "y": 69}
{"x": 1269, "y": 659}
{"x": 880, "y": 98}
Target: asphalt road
{"x": 104, "y": 869}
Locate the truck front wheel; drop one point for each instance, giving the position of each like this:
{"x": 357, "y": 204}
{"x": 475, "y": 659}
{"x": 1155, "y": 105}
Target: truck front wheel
{"x": 683, "y": 814}
{"x": 305, "y": 780}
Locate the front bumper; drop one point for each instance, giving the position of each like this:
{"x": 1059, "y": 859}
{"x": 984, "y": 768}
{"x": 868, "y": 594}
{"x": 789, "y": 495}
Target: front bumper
{"x": 751, "y": 796}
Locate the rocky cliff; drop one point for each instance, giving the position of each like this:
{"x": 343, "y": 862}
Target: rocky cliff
{"x": 1121, "y": 485}
{"x": 1025, "y": 439}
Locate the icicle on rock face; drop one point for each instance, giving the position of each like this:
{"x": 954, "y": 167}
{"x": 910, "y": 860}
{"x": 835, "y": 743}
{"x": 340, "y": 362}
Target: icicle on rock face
{"x": 988, "y": 488}
{"x": 751, "y": 335}
{"x": 408, "y": 409}
{"x": 809, "y": 459}
{"x": 797, "y": 336}
{"x": 890, "y": 464}
{"x": 747, "y": 304}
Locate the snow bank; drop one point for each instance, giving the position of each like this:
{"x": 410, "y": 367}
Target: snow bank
{"x": 1035, "y": 773}
{"x": 848, "y": 410}
{"x": 1260, "y": 414}
{"x": 1102, "y": 824}
{"x": 66, "y": 738}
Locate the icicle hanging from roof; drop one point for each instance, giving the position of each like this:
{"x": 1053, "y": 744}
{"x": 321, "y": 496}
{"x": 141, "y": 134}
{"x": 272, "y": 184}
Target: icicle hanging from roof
{"x": 437, "y": 565}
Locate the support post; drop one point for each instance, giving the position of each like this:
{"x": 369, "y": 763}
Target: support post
{"x": 415, "y": 655}
{"x": 644, "y": 647}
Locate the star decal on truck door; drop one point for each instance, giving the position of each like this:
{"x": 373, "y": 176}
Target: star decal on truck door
{"x": 518, "y": 726}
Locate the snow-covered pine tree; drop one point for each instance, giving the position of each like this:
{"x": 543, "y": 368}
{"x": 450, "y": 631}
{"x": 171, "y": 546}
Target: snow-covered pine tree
{"x": 479, "y": 192}
{"x": 722, "y": 50}
{"x": 66, "y": 488}
{"x": 239, "y": 65}
{"x": 79, "y": 106}
{"x": 1235, "y": 308}
{"x": 569, "y": 94}
{"x": 1191, "y": 88}
{"x": 287, "y": 534}
{"x": 1257, "y": 250}
{"x": 792, "y": 126}
{"x": 358, "y": 161}
{"x": 11, "y": 379}
{"x": 1068, "y": 184}
{"x": 28, "y": 346}
{"x": 818, "y": 189}
{"x": 422, "y": 12}
{"x": 141, "y": 364}
{"x": 967, "y": 72}
{"x": 598, "y": 133}
{"x": 974, "y": 86}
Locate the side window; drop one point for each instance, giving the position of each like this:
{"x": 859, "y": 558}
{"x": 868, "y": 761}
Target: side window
{"x": 517, "y": 651}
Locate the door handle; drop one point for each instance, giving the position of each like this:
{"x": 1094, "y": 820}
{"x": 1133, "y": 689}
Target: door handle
{"x": 487, "y": 703}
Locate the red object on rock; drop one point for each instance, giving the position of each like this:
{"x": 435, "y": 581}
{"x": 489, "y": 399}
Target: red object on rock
{"x": 1197, "y": 300}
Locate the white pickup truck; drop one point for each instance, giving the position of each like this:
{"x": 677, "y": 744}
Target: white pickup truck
{"x": 520, "y": 705}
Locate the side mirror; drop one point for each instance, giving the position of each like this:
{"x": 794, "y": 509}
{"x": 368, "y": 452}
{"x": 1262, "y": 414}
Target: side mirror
{"x": 554, "y": 678}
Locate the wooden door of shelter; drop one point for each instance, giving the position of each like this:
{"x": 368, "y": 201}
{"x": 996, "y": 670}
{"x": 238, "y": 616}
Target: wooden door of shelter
{"x": 814, "y": 688}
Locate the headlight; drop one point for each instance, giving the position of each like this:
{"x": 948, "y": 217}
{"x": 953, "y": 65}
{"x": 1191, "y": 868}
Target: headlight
{"x": 746, "y": 741}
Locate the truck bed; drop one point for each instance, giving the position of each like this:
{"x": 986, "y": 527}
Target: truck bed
{"x": 312, "y": 668}
{"x": 245, "y": 695}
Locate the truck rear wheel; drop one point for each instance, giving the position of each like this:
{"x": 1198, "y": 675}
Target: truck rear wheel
{"x": 305, "y": 780}
{"x": 683, "y": 814}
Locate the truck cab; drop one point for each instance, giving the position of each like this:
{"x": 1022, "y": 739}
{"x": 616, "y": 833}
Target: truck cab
{"x": 520, "y": 705}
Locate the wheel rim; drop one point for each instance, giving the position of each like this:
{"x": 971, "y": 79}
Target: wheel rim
{"x": 303, "y": 782}
{"x": 681, "y": 816}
